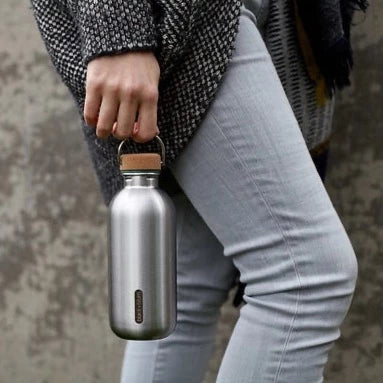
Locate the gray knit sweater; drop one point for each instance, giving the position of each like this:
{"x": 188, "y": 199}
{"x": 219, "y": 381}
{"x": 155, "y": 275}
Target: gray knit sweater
{"x": 193, "y": 41}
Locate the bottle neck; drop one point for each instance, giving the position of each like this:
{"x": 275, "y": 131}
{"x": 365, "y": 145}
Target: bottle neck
{"x": 141, "y": 178}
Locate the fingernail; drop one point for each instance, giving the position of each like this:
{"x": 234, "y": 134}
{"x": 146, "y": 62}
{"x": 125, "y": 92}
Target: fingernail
{"x": 135, "y": 129}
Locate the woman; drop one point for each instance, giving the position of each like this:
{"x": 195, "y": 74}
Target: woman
{"x": 199, "y": 74}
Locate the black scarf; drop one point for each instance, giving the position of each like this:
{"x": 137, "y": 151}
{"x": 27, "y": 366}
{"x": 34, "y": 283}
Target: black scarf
{"x": 326, "y": 24}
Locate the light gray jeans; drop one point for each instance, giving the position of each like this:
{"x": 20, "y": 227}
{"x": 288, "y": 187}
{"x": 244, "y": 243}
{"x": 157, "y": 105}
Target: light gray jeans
{"x": 253, "y": 201}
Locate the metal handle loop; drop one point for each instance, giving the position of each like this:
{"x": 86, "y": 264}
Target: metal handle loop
{"x": 158, "y": 139}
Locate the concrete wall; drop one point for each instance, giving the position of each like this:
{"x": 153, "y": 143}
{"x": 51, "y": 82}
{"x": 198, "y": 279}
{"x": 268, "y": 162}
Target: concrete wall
{"x": 53, "y": 297}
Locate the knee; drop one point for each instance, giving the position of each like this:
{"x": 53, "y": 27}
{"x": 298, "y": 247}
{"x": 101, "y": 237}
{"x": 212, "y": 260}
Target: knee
{"x": 338, "y": 264}
{"x": 350, "y": 264}
{"x": 200, "y": 306}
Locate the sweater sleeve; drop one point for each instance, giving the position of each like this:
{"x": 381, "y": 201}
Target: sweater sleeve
{"x": 62, "y": 42}
{"x": 112, "y": 26}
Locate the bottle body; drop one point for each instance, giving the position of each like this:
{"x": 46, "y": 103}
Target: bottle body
{"x": 142, "y": 260}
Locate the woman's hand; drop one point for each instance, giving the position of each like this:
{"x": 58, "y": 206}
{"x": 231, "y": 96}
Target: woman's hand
{"x": 118, "y": 87}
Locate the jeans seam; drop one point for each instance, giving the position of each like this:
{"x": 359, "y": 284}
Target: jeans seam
{"x": 284, "y": 240}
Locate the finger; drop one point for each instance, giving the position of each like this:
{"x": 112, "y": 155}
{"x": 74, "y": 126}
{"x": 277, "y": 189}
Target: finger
{"x": 108, "y": 115}
{"x": 126, "y": 117}
{"x": 135, "y": 129}
{"x": 114, "y": 127}
{"x": 91, "y": 107}
{"x": 147, "y": 122}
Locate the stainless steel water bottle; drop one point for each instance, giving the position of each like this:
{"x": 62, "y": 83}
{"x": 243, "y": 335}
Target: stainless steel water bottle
{"x": 142, "y": 251}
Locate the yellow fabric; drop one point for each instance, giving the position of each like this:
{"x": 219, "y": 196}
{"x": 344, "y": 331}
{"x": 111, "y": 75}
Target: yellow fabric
{"x": 311, "y": 65}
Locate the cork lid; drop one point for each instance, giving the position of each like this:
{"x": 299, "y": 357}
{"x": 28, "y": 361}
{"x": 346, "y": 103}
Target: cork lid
{"x": 137, "y": 161}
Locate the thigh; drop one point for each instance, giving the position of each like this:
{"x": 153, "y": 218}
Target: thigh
{"x": 248, "y": 173}
{"x": 247, "y": 169}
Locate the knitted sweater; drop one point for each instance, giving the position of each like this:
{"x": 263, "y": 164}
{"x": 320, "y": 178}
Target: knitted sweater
{"x": 192, "y": 40}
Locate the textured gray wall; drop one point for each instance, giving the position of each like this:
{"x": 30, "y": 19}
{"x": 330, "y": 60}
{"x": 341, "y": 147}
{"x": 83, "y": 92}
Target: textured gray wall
{"x": 53, "y": 291}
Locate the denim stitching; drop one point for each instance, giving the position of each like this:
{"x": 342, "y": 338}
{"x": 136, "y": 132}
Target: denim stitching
{"x": 285, "y": 241}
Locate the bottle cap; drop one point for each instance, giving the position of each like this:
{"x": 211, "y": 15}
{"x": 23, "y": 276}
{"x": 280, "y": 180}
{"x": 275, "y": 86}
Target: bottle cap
{"x": 139, "y": 161}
